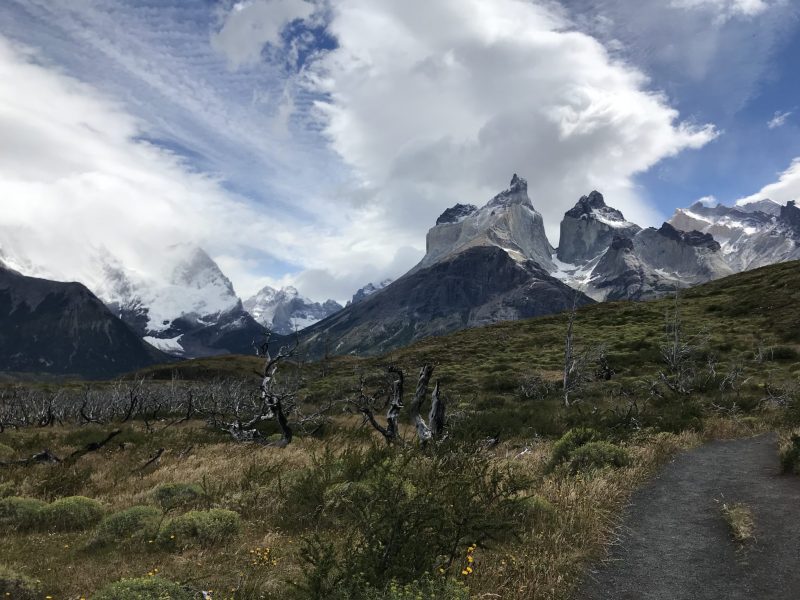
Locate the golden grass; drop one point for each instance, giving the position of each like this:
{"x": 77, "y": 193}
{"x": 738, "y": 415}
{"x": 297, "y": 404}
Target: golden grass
{"x": 739, "y": 518}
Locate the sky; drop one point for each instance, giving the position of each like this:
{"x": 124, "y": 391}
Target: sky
{"x": 314, "y": 142}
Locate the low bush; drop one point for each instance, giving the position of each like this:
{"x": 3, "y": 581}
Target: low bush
{"x": 60, "y": 480}
{"x": 790, "y": 456}
{"x": 17, "y": 586}
{"x": 145, "y": 588}
{"x": 597, "y": 455}
{"x": 384, "y": 513}
{"x": 174, "y": 496}
{"x": 200, "y": 527}
{"x": 569, "y": 442}
{"x": 20, "y": 514}
{"x": 74, "y": 513}
{"x": 135, "y": 524}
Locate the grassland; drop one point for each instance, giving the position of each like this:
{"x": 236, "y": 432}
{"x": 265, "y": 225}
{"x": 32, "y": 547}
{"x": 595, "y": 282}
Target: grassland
{"x": 339, "y": 514}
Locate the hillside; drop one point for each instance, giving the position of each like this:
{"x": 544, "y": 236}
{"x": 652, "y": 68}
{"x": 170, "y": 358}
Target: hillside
{"x": 63, "y": 329}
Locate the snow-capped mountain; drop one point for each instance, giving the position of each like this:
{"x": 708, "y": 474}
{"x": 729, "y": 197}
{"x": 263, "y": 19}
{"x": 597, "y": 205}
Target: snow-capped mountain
{"x": 285, "y": 311}
{"x": 751, "y": 235}
{"x": 370, "y": 289}
{"x": 483, "y": 265}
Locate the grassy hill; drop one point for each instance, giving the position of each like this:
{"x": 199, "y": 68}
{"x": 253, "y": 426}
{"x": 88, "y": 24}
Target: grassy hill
{"x": 175, "y": 504}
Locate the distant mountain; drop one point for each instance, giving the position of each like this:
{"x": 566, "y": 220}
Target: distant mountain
{"x": 285, "y": 311}
{"x": 64, "y": 329}
{"x": 188, "y": 309}
{"x": 751, "y": 235}
{"x": 483, "y": 265}
{"x": 368, "y": 290}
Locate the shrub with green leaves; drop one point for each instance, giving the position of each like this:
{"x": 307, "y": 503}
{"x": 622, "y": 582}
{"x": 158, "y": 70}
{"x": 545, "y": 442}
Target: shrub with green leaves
{"x": 200, "y": 527}
{"x": 17, "y": 586}
{"x": 20, "y": 514}
{"x": 597, "y": 455}
{"x": 144, "y": 588}
{"x": 790, "y": 456}
{"x": 135, "y": 524}
{"x": 385, "y": 513}
{"x": 569, "y": 442}
{"x": 74, "y": 513}
{"x": 176, "y": 496}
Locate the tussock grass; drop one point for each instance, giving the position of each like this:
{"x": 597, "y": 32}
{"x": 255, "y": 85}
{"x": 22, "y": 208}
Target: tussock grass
{"x": 739, "y": 518}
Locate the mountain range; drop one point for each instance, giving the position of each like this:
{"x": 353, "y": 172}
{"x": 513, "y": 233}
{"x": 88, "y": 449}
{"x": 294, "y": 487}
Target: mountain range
{"x": 482, "y": 265}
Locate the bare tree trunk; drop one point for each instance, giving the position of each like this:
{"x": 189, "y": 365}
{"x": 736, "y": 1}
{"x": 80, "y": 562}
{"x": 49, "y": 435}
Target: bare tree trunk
{"x": 569, "y": 351}
{"x": 395, "y": 405}
{"x": 436, "y": 418}
{"x": 423, "y": 431}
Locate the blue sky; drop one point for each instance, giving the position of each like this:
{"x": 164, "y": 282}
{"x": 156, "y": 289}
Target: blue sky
{"x": 314, "y": 142}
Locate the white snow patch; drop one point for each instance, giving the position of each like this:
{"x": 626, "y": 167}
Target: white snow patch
{"x": 168, "y": 345}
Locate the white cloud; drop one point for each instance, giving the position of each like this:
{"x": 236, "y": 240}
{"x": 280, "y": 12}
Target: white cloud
{"x": 433, "y": 103}
{"x": 779, "y": 119}
{"x": 78, "y": 179}
{"x": 709, "y": 201}
{"x": 251, "y": 24}
{"x": 782, "y": 191}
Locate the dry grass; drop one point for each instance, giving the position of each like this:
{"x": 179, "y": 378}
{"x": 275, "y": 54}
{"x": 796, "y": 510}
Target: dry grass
{"x": 739, "y": 518}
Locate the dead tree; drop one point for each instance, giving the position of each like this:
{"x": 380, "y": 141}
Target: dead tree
{"x": 569, "y": 353}
{"x": 678, "y": 353}
{"x": 365, "y": 404}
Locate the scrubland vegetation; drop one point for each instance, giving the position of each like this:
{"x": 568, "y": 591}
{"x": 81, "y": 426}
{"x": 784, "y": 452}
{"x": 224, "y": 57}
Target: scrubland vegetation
{"x": 176, "y": 484}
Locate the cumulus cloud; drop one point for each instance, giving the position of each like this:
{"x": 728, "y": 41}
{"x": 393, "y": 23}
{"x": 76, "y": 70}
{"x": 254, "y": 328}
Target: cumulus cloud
{"x": 251, "y": 24}
{"x": 782, "y": 191}
{"x": 433, "y": 103}
{"x": 779, "y": 119}
{"x": 81, "y": 179}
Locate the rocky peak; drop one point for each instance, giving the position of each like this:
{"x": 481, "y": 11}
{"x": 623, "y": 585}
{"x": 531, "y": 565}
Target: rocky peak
{"x": 368, "y": 290}
{"x": 621, "y": 243}
{"x": 455, "y": 214}
{"x": 588, "y": 229}
{"x": 790, "y": 216}
{"x": 517, "y": 193}
{"x": 508, "y": 221}
{"x": 691, "y": 238}
{"x": 587, "y": 205}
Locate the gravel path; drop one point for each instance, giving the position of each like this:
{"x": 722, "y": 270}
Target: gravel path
{"x": 675, "y": 545}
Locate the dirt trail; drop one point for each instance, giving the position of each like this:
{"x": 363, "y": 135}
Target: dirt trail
{"x": 675, "y": 545}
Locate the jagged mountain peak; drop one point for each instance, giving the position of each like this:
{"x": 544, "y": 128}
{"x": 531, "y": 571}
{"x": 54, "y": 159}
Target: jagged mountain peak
{"x": 508, "y": 221}
{"x": 455, "y": 214}
{"x": 588, "y": 229}
{"x": 517, "y": 193}
{"x": 691, "y": 238}
{"x": 285, "y": 311}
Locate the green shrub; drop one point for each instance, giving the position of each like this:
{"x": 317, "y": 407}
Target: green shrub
{"x": 17, "y": 586}
{"x": 200, "y": 527}
{"x": 173, "y": 496}
{"x": 21, "y": 514}
{"x": 138, "y": 523}
{"x": 145, "y": 588}
{"x": 569, "y": 442}
{"x": 597, "y": 455}
{"x": 6, "y": 452}
{"x": 790, "y": 456}
{"x": 383, "y": 513}
{"x": 74, "y": 513}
